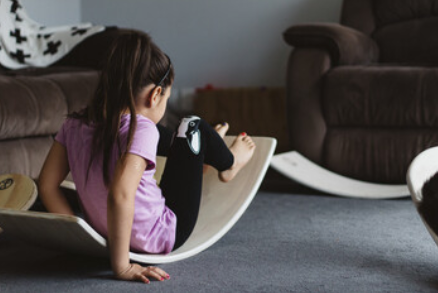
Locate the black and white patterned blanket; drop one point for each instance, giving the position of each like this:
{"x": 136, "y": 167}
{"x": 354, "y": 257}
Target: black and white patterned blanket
{"x": 24, "y": 42}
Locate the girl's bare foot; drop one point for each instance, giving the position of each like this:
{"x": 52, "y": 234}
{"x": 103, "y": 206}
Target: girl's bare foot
{"x": 243, "y": 149}
{"x": 222, "y": 130}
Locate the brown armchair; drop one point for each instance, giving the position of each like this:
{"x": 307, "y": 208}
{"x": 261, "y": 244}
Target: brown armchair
{"x": 362, "y": 96}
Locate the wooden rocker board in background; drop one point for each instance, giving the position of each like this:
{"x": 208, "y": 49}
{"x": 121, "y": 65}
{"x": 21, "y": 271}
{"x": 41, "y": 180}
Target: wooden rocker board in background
{"x": 422, "y": 168}
{"x": 13, "y": 184}
{"x": 222, "y": 205}
{"x": 298, "y": 168}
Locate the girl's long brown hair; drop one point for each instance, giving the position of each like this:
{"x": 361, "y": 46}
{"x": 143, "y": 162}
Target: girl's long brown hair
{"x": 131, "y": 63}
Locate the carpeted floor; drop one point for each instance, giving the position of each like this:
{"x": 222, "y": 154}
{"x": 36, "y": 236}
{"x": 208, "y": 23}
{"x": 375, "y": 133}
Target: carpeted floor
{"x": 283, "y": 243}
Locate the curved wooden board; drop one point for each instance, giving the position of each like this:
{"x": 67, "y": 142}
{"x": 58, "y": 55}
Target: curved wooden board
{"x": 222, "y": 205}
{"x": 297, "y": 167}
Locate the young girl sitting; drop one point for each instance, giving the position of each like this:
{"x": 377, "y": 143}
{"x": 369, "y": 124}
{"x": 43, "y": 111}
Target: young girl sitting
{"x": 110, "y": 148}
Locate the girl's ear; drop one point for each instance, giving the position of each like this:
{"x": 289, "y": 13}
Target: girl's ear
{"x": 154, "y": 96}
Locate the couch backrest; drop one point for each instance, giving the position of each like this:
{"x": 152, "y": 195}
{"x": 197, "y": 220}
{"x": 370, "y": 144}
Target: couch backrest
{"x": 405, "y": 30}
{"x": 359, "y": 15}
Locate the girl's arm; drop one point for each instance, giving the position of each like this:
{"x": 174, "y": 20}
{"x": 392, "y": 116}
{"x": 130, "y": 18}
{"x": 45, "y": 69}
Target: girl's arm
{"x": 121, "y": 201}
{"x": 54, "y": 171}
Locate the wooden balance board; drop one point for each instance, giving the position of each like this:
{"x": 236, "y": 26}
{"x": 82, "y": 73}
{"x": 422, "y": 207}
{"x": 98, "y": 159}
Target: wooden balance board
{"x": 422, "y": 168}
{"x": 222, "y": 205}
{"x": 300, "y": 169}
{"x": 17, "y": 192}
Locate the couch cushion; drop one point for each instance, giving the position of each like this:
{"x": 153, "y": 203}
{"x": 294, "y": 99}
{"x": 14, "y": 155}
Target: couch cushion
{"x": 381, "y": 96}
{"x": 38, "y": 105}
{"x": 406, "y": 31}
{"x": 390, "y": 11}
{"x": 78, "y": 88}
{"x": 24, "y": 156}
{"x": 375, "y": 154}
{"x": 30, "y": 106}
{"x": 412, "y": 42}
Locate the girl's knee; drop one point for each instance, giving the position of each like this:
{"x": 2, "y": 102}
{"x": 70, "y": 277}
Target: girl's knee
{"x": 190, "y": 128}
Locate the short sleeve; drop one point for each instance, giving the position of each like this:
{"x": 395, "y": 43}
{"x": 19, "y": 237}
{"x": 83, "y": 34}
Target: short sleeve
{"x": 145, "y": 142}
{"x": 60, "y": 136}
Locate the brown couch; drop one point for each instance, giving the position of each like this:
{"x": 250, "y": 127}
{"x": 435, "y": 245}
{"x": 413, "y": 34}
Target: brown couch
{"x": 363, "y": 94}
{"x": 35, "y": 101}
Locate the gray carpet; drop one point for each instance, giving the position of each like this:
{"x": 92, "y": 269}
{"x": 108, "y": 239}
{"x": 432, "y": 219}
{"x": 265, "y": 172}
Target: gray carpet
{"x": 283, "y": 243}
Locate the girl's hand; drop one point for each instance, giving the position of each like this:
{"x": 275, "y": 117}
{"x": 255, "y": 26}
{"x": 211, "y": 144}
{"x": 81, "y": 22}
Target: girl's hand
{"x": 136, "y": 272}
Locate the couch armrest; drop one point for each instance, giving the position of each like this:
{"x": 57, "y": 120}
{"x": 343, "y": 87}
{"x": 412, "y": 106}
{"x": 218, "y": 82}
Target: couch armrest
{"x": 345, "y": 45}
{"x": 304, "y": 87}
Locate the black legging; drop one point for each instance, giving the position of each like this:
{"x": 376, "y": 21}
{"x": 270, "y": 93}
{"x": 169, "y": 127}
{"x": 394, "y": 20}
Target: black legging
{"x": 165, "y": 140}
{"x": 181, "y": 182}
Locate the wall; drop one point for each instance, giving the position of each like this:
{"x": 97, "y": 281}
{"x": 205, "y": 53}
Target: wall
{"x": 228, "y": 43}
{"x": 53, "y": 12}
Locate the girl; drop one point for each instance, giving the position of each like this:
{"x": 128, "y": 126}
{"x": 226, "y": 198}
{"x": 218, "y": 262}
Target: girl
{"x": 110, "y": 149}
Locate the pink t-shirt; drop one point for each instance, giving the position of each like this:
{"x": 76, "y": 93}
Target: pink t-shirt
{"x": 153, "y": 229}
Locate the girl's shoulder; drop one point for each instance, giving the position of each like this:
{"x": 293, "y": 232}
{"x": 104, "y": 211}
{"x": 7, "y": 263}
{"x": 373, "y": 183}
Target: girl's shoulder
{"x": 143, "y": 123}
{"x": 145, "y": 128}
{"x": 145, "y": 140}
{"x": 68, "y": 130}
{"x": 70, "y": 122}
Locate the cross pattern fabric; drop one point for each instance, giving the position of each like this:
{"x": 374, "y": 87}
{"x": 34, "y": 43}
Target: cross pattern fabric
{"x": 26, "y": 43}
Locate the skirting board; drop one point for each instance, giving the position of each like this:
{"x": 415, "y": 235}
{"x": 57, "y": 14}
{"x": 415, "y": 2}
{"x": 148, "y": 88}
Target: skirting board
{"x": 222, "y": 205}
{"x": 300, "y": 169}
